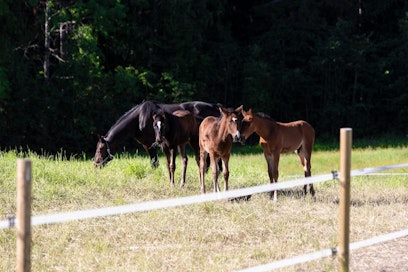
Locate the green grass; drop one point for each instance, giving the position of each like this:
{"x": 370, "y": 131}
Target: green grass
{"x": 215, "y": 236}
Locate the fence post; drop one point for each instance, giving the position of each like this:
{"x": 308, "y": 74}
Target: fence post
{"x": 344, "y": 215}
{"x": 23, "y": 257}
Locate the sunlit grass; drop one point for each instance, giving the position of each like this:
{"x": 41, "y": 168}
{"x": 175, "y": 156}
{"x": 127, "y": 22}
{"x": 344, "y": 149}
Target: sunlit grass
{"x": 215, "y": 236}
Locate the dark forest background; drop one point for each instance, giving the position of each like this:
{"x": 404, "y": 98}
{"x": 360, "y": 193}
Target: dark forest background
{"x": 69, "y": 69}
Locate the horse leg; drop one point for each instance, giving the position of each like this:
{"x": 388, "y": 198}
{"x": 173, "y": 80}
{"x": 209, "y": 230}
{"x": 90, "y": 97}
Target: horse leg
{"x": 273, "y": 162}
{"x": 196, "y": 148}
{"x": 172, "y": 165}
{"x": 305, "y": 161}
{"x": 308, "y": 173}
{"x": 225, "y": 171}
{"x": 214, "y": 169}
{"x": 202, "y": 168}
{"x": 166, "y": 152}
{"x": 184, "y": 160}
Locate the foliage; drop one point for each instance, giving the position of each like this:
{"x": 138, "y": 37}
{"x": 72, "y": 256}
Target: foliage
{"x": 331, "y": 63}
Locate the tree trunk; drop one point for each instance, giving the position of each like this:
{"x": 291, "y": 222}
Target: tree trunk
{"x": 47, "y": 43}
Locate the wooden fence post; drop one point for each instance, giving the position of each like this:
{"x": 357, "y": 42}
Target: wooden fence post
{"x": 344, "y": 215}
{"x": 23, "y": 215}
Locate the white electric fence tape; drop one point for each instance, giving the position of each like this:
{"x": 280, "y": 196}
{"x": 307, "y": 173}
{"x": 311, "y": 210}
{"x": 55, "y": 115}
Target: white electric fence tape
{"x": 164, "y": 203}
{"x": 291, "y": 261}
{"x": 174, "y": 202}
{"x": 325, "y": 253}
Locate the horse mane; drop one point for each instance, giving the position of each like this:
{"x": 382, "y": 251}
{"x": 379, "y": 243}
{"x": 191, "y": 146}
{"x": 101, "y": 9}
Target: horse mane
{"x": 264, "y": 115}
{"x": 123, "y": 117}
{"x": 140, "y": 111}
{"x": 145, "y": 111}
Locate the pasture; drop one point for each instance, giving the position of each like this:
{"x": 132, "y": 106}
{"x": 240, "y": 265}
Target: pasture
{"x": 215, "y": 236}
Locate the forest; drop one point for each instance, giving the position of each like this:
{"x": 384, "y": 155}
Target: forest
{"x": 69, "y": 69}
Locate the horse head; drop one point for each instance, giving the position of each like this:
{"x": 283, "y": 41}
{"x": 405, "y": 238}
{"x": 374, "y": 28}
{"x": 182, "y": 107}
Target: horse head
{"x": 103, "y": 153}
{"x": 232, "y": 121}
{"x": 246, "y": 125}
{"x": 159, "y": 126}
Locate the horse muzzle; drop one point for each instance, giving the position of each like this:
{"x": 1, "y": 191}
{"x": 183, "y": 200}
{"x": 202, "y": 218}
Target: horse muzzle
{"x": 98, "y": 164}
{"x": 237, "y": 137}
{"x": 103, "y": 162}
{"x": 157, "y": 143}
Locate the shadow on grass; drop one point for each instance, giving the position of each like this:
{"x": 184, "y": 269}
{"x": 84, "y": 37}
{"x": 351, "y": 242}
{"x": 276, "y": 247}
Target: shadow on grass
{"x": 374, "y": 202}
{"x": 287, "y": 193}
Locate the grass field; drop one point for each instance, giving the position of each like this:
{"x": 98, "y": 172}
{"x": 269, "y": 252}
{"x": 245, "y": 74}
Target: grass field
{"x": 214, "y": 236}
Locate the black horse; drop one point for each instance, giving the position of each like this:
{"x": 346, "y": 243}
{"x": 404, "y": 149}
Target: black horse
{"x": 138, "y": 123}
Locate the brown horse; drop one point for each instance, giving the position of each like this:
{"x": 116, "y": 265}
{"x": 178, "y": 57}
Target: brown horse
{"x": 216, "y": 135}
{"x": 175, "y": 130}
{"x": 277, "y": 138}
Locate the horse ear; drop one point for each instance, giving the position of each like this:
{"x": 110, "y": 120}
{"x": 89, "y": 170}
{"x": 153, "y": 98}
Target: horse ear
{"x": 154, "y": 115}
{"x": 221, "y": 109}
{"x": 166, "y": 115}
{"x": 246, "y": 113}
{"x": 239, "y": 109}
{"x": 225, "y": 111}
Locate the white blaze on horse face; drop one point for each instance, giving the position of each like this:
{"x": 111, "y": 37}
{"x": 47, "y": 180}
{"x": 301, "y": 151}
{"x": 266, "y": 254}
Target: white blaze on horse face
{"x": 159, "y": 124}
{"x": 237, "y": 135}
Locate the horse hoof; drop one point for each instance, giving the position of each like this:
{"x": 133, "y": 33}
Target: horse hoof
{"x": 313, "y": 197}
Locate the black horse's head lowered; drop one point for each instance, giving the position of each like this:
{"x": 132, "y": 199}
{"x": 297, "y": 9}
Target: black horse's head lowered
{"x": 137, "y": 123}
{"x": 103, "y": 153}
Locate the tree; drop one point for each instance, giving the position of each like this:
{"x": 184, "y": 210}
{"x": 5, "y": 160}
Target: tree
{"x": 78, "y": 65}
